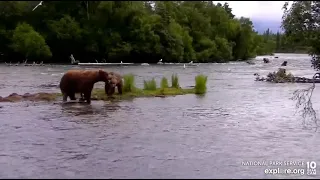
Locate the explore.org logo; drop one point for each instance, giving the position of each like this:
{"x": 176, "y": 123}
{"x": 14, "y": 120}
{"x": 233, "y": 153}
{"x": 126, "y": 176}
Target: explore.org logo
{"x": 272, "y": 163}
{"x": 308, "y": 168}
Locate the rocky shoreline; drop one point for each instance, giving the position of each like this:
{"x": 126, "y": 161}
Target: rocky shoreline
{"x": 14, "y": 97}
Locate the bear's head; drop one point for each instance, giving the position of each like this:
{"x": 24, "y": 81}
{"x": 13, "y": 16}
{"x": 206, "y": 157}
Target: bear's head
{"x": 113, "y": 82}
{"x": 114, "y": 75}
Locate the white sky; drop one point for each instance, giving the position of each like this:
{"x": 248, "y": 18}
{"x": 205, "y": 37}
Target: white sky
{"x": 270, "y": 10}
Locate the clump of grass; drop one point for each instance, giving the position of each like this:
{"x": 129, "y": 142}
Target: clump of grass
{"x": 150, "y": 85}
{"x": 201, "y": 84}
{"x": 164, "y": 83}
{"x": 129, "y": 83}
{"x": 175, "y": 81}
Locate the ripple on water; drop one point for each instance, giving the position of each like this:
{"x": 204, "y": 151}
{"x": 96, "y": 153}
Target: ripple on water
{"x": 175, "y": 137}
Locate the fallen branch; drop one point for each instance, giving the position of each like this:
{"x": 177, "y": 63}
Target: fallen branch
{"x": 303, "y": 97}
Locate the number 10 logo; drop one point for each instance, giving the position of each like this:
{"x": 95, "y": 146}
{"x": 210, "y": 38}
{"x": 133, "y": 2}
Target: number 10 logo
{"x": 311, "y": 168}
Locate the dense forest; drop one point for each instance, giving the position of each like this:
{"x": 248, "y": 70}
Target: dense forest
{"x": 129, "y": 31}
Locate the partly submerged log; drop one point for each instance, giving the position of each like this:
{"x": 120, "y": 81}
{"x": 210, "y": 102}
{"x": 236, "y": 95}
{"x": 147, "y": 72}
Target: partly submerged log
{"x": 282, "y": 77}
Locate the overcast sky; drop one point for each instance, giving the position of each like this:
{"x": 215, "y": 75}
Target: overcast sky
{"x": 261, "y": 10}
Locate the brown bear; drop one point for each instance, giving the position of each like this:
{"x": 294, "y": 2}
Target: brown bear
{"x": 81, "y": 81}
{"x": 115, "y": 80}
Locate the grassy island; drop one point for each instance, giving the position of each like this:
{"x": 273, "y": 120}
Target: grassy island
{"x": 129, "y": 89}
{"x": 151, "y": 89}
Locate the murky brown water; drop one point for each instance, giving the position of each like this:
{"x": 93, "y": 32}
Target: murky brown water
{"x": 178, "y": 137}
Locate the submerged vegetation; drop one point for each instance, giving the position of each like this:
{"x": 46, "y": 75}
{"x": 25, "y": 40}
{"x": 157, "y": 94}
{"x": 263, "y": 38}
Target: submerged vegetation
{"x": 128, "y": 31}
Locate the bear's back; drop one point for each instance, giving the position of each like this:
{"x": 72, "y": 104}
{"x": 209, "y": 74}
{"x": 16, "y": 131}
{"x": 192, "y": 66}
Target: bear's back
{"x": 76, "y": 79}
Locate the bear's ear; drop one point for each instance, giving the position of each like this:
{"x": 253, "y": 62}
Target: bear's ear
{"x": 102, "y": 72}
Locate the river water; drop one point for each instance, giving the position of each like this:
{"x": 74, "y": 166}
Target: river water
{"x": 189, "y": 136}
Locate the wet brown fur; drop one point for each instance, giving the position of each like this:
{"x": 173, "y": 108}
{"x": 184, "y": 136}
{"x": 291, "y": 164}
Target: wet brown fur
{"x": 115, "y": 80}
{"x": 81, "y": 81}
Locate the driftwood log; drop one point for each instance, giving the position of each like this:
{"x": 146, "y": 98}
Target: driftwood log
{"x": 282, "y": 77}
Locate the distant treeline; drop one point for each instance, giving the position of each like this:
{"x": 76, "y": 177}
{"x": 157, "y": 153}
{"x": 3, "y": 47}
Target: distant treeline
{"x": 129, "y": 31}
{"x": 284, "y": 44}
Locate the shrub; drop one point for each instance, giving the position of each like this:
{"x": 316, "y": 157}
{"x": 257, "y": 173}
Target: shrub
{"x": 129, "y": 83}
{"x": 175, "y": 81}
{"x": 150, "y": 85}
{"x": 201, "y": 84}
{"x": 164, "y": 83}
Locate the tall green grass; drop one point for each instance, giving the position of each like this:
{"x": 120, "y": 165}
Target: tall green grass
{"x": 201, "y": 84}
{"x": 150, "y": 85}
{"x": 164, "y": 83}
{"x": 175, "y": 81}
{"x": 129, "y": 83}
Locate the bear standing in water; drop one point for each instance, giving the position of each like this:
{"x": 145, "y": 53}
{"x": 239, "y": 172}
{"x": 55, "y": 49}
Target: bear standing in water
{"x": 115, "y": 81}
{"x": 81, "y": 81}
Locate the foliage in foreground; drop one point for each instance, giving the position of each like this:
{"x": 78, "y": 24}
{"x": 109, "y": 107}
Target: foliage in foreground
{"x": 301, "y": 24}
{"x": 304, "y": 106}
{"x": 133, "y": 31}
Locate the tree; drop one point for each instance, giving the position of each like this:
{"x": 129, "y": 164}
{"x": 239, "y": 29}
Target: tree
{"x": 301, "y": 24}
{"x": 28, "y": 42}
{"x": 137, "y": 31}
{"x": 278, "y": 41}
